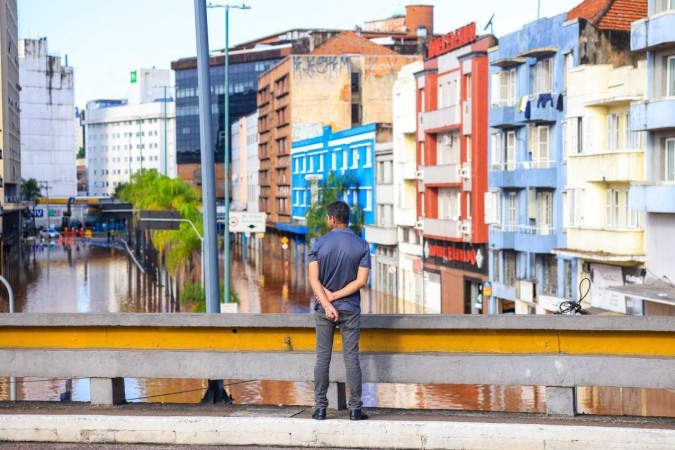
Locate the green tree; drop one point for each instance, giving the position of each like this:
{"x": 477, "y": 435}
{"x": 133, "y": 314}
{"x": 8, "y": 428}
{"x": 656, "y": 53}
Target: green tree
{"x": 118, "y": 190}
{"x": 324, "y": 193}
{"x": 30, "y": 192}
{"x": 81, "y": 153}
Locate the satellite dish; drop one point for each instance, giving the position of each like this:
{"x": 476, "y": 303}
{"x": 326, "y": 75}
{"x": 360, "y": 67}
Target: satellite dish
{"x": 490, "y": 23}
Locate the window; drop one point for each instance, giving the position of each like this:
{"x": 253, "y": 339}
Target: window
{"x": 612, "y": 132}
{"x": 633, "y": 138}
{"x": 369, "y": 157}
{"x": 670, "y": 88}
{"x": 344, "y": 158}
{"x": 550, "y": 275}
{"x": 668, "y": 160}
{"x": 467, "y": 144}
{"x": 509, "y": 267}
{"x": 568, "y": 62}
{"x": 355, "y": 158}
{"x": 448, "y": 204}
{"x": 384, "y": 172}
{"x": 467, "y": 86}
{"x": 368, "y": 192}
{"x": 588, "y": 126}
{"x": 504, "y": 88}
{"x": 545, "y": 201}
{"x": 355, "y": 82}
{"x": 496, "y": 151}
{"x": 542, "y": 76}
{"x": 510, "y": 154}
{"x": 612, "y": 205}
{"x": 565, "y": 142}
{"x": 539, "y": 147}
{"x": 512, "y": 219}
{"x": 468, "y": 206}
{"x": 575, "y": 208}
{"x": 333, "y": 160}
{"x": 631, "y": 216}
{"x": 356, "y": 114}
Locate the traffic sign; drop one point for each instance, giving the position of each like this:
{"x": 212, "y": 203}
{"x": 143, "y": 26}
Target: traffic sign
{"x": 284, "y": 240}
{"x": 241, "y": 222}
{"x": 160, "y": 220}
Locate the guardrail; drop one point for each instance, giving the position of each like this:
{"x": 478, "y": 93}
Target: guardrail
{"x": 559, "y": 352}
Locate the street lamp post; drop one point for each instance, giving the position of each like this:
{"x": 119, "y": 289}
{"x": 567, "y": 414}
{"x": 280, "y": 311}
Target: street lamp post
{"x": 226, "y": 149}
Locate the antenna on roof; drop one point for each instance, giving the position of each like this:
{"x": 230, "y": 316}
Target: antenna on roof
{"x": 489, "y": 24}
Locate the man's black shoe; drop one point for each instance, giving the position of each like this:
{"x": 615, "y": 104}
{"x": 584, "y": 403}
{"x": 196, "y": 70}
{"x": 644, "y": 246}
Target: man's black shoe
{"x": 319, "y": 414}
{"x": 357, "y": 414}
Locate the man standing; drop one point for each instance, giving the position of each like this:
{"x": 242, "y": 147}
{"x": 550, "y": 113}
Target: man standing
{"x": 339, "y": 265}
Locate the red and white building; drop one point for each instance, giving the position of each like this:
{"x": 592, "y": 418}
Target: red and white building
{"x": 452, "y": 159}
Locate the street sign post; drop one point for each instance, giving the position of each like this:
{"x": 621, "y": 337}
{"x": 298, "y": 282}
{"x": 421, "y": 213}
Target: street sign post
{"x": 243, "y": 222}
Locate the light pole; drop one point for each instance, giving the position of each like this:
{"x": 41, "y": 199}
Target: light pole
{"x": 226, "y": 149}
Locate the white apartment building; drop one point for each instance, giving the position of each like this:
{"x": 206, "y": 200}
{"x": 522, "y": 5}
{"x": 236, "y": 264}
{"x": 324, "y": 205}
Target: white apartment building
{"x": 245, "y": 165}
{"x": 125, "y": 136}
{"x": 47, "y": 119}
{"x": 410, "y": 268}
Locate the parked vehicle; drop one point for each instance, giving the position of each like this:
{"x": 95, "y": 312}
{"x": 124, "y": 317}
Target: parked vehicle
{"x": 49, "y": 234}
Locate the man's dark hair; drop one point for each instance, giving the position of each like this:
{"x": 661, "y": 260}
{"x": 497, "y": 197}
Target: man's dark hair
{"x": 340, "y": 211}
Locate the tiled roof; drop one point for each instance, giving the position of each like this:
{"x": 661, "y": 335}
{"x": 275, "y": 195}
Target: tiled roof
{"x": 610, "y": 14}
{"x": 349, "y": 42}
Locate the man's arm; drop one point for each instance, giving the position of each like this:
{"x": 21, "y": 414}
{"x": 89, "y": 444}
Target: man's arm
{"x": 318, "y": 289}
{"x": 353, "y": 286}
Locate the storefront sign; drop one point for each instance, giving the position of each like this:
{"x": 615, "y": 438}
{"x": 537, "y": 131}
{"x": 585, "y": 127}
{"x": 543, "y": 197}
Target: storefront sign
{"x": 452, "y": 40}
{"x": 459, "y": 255}
{"x": 604, "y": 276}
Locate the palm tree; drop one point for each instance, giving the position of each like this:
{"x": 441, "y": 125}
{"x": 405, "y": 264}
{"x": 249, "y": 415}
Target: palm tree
{"x": 332, "y": 189}
{"x": 30, "y": 192}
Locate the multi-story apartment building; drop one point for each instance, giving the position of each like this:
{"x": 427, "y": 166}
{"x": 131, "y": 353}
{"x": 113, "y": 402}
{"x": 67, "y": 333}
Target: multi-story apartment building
{"x": 47, "y": 119}
{"x": 604, "y": 232}
{"x": 410, "y": 266}
{"x": 344, "y": 83}
{"x": 528, "y": 172}
{"x": 245, "y": 164}
{"x": 452, "y": 163}
{"x": 655, "y": 197}
{"x": 10, "y": 132}
{"x": 124, "y": 136}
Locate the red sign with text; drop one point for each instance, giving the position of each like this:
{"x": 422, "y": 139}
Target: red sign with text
{"x": 452, "y": 40}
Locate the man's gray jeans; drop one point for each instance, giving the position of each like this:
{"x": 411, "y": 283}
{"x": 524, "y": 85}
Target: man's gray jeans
{"x": 350, "y": 329}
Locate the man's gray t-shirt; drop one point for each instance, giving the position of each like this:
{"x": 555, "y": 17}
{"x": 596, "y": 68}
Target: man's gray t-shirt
{"x": 340, "y": 253}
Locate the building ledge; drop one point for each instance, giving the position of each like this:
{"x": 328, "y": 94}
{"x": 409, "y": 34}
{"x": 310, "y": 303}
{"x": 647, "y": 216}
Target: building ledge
{"x": 600, "y": 256}
{"x": 537, "y": 52}
{"x": 506, "y": 63}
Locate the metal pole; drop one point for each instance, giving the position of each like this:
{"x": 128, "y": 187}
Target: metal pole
{"x": 12, "y": 380}
{"x": 208, "y": 173}
{"x": 538, "y": 9}
{"x": 226, "y": 163}
{"x": 166, "y": 170}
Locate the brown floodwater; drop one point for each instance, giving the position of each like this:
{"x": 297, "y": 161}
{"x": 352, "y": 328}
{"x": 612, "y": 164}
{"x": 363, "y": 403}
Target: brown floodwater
{"x": 268, "y": 280}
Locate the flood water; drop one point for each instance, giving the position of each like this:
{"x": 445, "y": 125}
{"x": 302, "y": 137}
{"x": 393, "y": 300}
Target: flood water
{"x": 271, "y": 279}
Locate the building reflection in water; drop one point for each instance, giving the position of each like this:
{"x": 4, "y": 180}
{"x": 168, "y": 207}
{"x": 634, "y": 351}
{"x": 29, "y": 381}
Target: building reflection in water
{"x": 271, "y": 279}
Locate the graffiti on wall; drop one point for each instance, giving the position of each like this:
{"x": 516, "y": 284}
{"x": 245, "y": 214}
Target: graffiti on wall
{"x": 382, "y": 66}
{"x": 311, "y": 66}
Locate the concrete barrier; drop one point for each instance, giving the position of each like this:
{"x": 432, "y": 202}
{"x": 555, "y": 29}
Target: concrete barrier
{"x": 559, "y": 352}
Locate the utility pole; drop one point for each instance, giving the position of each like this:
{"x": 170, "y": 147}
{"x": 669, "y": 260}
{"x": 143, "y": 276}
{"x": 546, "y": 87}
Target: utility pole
{"x": 226, "y": 149}
{"x": 216, "y": 391}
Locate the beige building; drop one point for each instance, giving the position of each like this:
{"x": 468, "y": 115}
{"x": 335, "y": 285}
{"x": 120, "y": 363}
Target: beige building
{"x": 10, "y": 133}
{"x": 344, "y": 83}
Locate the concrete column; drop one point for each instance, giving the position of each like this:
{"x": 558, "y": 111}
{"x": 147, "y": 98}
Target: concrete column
{"x": 561, "y": 401}
{"x": 107, "y": 391}
{"x": 337, "y": 396}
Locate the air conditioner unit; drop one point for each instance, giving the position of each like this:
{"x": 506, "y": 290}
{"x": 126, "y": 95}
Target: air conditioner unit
{"x": 465, "y": 172}
{"x": 419, "y": 225}
{"x": 419, "y": 174}
{"x": 446, "y": 140}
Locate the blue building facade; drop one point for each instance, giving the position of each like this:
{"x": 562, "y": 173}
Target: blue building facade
{"x": 347, "y": 152}
{"x": 527, "y": 175}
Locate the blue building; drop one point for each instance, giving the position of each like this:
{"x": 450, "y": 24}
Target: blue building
{"x": 347, "y": 152}
{"x": 530, "y": 137}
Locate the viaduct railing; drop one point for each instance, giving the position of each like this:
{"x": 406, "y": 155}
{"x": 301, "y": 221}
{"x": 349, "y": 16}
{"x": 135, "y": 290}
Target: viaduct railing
{"x": 559, "y": 352}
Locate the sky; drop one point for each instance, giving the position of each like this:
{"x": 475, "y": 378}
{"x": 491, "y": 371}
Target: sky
{"x": 106, "y": 39}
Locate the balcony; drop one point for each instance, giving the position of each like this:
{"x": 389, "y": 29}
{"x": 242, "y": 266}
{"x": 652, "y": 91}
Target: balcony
{"x": 408, "y": 171}
{"x": 653, "y": 114}
{"x": 445, "y": 174}
{"x": 525, "y": 174}
{"x": 503, "y": 117}
{"x": 384, "y": 194}
{"x": 448, "y": 229}
{"x": 627, "y": 165}
{"x": 523, "y": 238}
{"x": 615, "y": 241}
{"x": 653, "y": 32}
{"x": 653, "y": 197}
{"x": 405, "y": 248}
{"x": 544, "y": 114}
{"x": 405, "y": 217}
{"x": 382, "y": 235}
{"x": 438, "y": 119}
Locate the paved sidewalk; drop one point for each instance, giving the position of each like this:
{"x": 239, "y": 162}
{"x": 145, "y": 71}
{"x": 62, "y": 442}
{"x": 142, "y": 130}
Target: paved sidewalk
{"x": 291, "y": 426}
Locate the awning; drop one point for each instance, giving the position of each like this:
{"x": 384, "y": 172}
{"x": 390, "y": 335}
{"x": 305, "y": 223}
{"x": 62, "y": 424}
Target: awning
{"x": 630, "y": 260}
{"x": 658, "y": 292}
{"x": 505, "y": 63}
{"x": 537, "y": 52}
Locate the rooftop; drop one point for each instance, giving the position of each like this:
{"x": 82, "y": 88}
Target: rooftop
{"x": 610, "y": 14}
{"x": 349, "y": 42}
